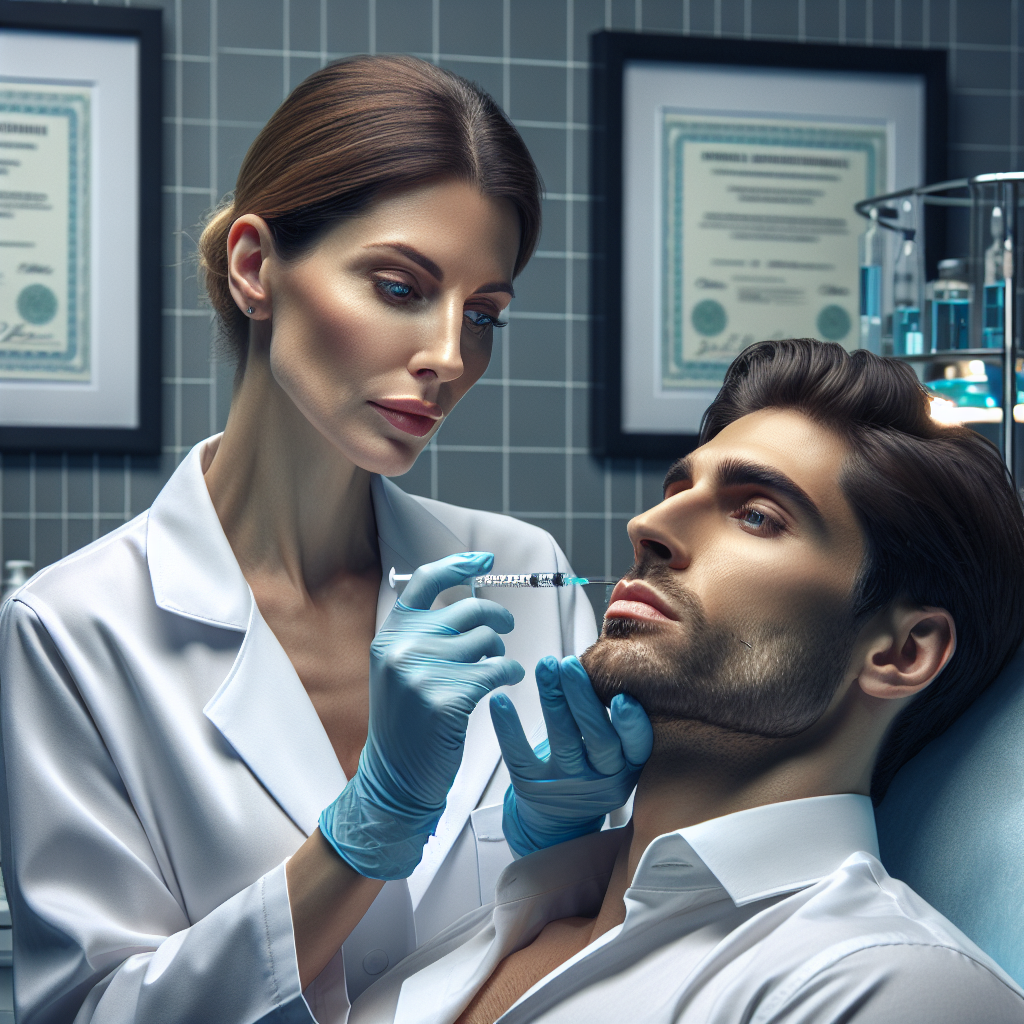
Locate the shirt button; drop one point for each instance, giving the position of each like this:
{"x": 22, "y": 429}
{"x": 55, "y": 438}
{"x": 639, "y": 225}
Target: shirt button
{"x": 375, "y": 961}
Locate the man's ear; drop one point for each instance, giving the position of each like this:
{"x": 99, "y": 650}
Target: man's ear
{"x": 249, "y": 245}
{"x": 911, "y": 648}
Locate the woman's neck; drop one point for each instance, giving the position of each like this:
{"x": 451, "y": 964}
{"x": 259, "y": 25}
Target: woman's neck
{"x": 292, "y": 506}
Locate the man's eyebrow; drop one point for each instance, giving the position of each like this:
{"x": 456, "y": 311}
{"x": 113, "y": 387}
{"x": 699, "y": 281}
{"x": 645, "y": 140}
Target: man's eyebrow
{"x": 736, "y": 472}
{"x": 434, "y": 270}
{"x": 681, "y": 469}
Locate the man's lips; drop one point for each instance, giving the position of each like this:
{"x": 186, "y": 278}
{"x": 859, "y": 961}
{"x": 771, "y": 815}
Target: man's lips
{"x": 634, "y": 599}
{"x": 410, "y": 414}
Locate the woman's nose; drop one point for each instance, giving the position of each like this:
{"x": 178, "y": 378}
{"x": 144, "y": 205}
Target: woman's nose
{"x": 658, "y": 535}
{"x": 441, "y": 355}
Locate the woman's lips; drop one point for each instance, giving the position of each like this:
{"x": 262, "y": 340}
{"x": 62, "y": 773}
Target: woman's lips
{"x": 634, "y": 610}
{"x": 411, "y": 417}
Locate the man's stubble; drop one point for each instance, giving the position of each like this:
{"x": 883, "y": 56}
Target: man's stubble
{"x": 758, "y": 679}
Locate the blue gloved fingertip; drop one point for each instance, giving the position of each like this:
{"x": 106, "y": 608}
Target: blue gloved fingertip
{"x": 623, "y": 703}
{"x": 501, "y": 702}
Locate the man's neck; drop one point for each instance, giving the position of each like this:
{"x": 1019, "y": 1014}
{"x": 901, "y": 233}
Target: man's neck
{"x": 699, "y": 772}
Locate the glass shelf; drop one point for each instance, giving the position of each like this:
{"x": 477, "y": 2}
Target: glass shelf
{"x": 953, "y": 354}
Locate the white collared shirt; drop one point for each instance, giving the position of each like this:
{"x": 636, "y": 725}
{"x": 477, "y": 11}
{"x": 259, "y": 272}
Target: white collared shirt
{"x": 162, "y": 760}
{"x": 780, "y": 914}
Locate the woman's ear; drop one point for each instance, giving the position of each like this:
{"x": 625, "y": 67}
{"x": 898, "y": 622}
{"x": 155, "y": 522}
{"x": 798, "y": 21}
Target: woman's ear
{"x": 912, "y": 648}
{"x": 249, "y": 245}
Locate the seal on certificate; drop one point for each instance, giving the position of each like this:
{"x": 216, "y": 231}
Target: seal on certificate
{"x": 834, "y": 323}
{"x": 709, "y": 318}
{"x": 37, "y": 304}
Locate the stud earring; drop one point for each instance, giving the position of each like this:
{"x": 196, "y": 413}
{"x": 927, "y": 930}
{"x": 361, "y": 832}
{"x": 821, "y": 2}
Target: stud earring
{"x": 250, "y": 311}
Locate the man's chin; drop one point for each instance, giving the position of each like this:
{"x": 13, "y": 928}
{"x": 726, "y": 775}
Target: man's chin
{"x": 621, "y": 659}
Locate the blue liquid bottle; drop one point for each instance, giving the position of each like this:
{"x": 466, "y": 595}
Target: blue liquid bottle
{"x": 871, "y": 286}
{"x": 907, "y": 339}
{"x": 995, "y": 291}
{"x": 951, "y": 307}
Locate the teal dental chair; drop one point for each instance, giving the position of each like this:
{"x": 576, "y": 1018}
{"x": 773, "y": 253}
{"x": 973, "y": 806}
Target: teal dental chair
{"x": 952, "y": 824}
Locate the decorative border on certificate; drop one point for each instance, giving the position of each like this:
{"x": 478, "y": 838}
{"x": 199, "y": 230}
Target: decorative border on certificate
{"x": 758, "y": 239}
{"x": 44, "y": 252}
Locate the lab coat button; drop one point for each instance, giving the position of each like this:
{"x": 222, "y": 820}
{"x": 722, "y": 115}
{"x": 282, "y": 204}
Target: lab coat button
{"x": 375, "y": 961}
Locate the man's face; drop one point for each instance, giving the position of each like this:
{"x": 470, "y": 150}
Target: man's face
{"x": 737, "y": 612}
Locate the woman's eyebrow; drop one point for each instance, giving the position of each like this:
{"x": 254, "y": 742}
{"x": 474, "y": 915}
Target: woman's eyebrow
{"x": 434, "y": 270}
{"x": 413, "y": 254}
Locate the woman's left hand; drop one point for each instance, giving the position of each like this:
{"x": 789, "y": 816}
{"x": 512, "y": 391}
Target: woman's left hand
{"x": 586, "y": 768}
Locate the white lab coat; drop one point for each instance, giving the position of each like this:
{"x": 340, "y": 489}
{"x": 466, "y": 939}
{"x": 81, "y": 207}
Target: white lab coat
{"x": 161, "y": 761}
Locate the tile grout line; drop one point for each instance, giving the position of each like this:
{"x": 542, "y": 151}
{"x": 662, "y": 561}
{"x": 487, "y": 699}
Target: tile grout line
{"x": 569, "y": 337}
{"x": 506, "y": 365}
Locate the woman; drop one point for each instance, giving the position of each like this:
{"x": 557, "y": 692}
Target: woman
{"x": 183, "y": 698}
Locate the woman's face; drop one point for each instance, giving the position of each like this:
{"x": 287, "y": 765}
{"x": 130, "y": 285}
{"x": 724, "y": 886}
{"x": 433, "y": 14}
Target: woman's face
{"x": 379, "y": 331}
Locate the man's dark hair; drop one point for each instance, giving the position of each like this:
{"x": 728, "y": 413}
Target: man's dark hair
{"x": 942, "y": 523}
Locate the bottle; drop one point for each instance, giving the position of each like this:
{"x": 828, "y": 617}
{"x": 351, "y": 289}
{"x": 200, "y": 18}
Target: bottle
{"x": 15, "y": 574}
{"x": 871, "y": 286}
{"x": 907, "y": 339}
{"x": 993, "y": 301}
{"x": 950, "y": 307}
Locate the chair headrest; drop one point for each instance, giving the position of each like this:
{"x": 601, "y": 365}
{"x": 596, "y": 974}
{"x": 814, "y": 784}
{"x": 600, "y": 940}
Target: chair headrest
{"x": 952, "y": 824}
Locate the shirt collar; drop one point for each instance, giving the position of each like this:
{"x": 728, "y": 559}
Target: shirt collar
{"x": 763, "y": 851}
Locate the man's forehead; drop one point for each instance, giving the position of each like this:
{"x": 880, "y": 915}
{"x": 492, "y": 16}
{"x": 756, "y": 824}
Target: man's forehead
{"x": 785, "y": 440}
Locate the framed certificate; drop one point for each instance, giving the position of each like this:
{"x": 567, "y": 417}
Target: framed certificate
{"x": 80, "y": 249}
{"x": 728, "y": 172}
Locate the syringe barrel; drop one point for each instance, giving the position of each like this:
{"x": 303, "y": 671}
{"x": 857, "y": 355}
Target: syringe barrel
{"x": 535, "y": 579}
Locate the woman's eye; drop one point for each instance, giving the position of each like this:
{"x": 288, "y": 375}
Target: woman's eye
{"x": 395, "y": 289}
{"x": 478, "y": 319}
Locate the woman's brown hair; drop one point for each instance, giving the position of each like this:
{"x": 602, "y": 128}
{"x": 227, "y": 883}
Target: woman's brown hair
{"x": 354, "y": 132}
{"x": 943, "y": 524}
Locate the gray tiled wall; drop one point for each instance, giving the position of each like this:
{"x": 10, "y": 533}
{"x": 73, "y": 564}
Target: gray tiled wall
{"x": 518, "y": 442}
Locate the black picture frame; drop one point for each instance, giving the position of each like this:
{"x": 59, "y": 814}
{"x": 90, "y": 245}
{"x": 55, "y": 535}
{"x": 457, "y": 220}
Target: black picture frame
{"x": 609, "y": 53}
{"x": 145, "y": 26}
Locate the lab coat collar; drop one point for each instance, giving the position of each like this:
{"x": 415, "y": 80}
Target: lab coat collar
{"x": 763, "y": 851}
{"x": 262, "y": 708}
{"x": 193, "y": 569}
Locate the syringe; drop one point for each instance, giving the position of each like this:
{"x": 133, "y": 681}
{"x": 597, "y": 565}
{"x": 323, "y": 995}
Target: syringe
{"x": 528, "y": 579}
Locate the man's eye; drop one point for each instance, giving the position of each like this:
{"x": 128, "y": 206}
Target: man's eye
{"x": 759, "y": 521}
{"x": 478, "y": 319}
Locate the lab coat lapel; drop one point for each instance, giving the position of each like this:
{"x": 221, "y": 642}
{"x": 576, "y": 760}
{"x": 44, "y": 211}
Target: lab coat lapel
{"x": 261, "y": 708}
{"x": 264, "y": 712}
{"x": 410, "y": 535}
{"x": 191, "y": 565}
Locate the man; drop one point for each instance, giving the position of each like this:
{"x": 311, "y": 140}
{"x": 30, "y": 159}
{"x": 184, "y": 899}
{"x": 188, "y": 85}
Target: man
{"x": 830, "y": 580}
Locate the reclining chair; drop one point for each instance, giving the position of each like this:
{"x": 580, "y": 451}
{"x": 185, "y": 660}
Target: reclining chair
{"x": 952, "y": 824}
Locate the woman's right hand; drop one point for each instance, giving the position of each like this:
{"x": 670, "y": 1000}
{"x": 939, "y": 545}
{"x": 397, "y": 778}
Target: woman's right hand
{"x": 428, "y": 670}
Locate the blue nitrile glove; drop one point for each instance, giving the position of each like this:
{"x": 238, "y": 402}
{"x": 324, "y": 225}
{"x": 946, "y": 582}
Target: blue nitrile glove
{"x": 586, "y": 768}
{"x": 428, "y": 670}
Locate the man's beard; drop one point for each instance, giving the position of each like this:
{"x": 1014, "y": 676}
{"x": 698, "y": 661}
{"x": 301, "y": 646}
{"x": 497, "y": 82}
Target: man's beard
{"x": 766, "y": 679}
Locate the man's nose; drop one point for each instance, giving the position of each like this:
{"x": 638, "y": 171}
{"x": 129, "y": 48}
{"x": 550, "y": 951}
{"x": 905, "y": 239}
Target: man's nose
{"x": 657, "y": 535}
